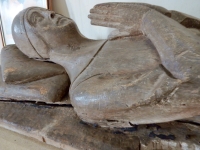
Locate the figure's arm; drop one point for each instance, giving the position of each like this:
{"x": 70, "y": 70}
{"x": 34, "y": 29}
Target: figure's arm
{"x": 125, "y": 17}
{"x": 177, "y": 46}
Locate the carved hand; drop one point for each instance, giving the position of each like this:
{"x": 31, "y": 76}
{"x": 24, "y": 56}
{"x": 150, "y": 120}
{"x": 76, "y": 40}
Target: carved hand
{"x": 126, "y": 17}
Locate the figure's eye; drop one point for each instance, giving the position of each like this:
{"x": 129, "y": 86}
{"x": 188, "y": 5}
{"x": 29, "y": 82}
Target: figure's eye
{"x": 36, "y": 18}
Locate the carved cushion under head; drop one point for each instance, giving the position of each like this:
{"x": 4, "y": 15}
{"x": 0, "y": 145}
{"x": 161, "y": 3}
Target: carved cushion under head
{"x": 22, "y": 78}
{"x": 17, "y": 68}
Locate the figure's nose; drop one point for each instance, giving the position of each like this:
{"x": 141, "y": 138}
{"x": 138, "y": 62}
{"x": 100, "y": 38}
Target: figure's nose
{"x": 51, "y": 14}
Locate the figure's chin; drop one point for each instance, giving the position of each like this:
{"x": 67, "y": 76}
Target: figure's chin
{"x": 64, "y": 22}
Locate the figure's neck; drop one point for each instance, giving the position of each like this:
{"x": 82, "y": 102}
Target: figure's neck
{"x": 72, "y": 45}
{"x": 76, "y": 55}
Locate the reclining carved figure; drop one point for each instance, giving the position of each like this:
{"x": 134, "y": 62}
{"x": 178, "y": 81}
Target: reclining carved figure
{"x": 146, "y": 72}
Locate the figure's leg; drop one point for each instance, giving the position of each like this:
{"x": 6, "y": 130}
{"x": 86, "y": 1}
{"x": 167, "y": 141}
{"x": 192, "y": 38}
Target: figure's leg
{"x": 178, "y": 47}
{"x": 114, "y": 100}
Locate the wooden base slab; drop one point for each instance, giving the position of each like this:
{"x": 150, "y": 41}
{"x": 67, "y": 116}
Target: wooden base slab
{"x": 59, "y": 126}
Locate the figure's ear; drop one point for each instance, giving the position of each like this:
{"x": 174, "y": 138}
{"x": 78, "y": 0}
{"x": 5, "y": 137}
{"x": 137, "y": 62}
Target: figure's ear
{"x": 35, "y": 18}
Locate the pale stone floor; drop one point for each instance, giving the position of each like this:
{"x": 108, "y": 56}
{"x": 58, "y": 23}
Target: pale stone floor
{"x": 13, "y": 141}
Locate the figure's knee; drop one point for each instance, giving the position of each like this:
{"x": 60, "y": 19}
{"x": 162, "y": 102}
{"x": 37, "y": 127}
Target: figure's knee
{"x": 87, "y": 102}
{"x": 85, "y": 105}
{"x": 93, "y": 100}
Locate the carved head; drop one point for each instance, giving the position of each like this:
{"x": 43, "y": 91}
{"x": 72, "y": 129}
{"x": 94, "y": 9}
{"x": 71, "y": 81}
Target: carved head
{"x": 37, "y": 30}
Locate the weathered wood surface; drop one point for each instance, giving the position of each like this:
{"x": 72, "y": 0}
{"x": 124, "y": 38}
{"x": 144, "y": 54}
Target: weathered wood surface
{"x": 17, "y": 68}
{"x": 156, "y": 70}
{"x": 58, "y": 125}
{"x": 22, "y": 78}
{"x": 151, "y": 63}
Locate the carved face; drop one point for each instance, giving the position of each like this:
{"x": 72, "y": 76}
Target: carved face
{"x": 37, "y": 31}
{"x": 42, "y": 18}
{"x": 53, "y": 29}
